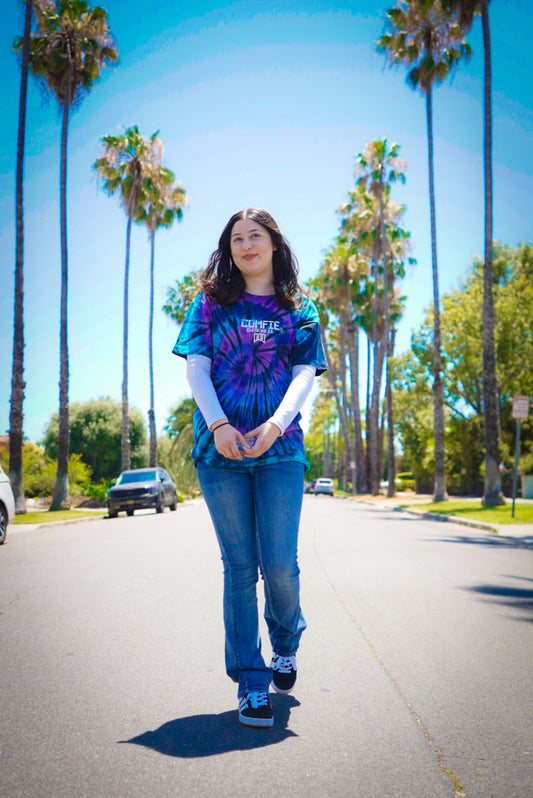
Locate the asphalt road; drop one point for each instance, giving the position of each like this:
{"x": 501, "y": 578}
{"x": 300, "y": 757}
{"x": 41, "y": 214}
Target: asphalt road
{"x": 415, "y": 674}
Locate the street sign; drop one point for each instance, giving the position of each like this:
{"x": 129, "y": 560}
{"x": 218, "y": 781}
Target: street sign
{"x": 520, "y": 411}
{"x": 520, "y": 406}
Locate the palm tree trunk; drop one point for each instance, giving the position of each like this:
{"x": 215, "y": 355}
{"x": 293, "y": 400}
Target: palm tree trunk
{"x": 438, "y": 387}
{"x": 125, "y": 437}
{"x": 341, "y": 406}
{"x": 61, "y": 499}
{"x": 493, "y": 490}
{"x": 367, "y": 410}
{"x": 16, "y": 437}
{"x": 151, "y": 412}
{"x": 391, "y": 457}
{"x": 345, "y": 347}
{"x": 374, "y": 436}
{"x": 388, "y": 393}
{"x": 358, "y": 479}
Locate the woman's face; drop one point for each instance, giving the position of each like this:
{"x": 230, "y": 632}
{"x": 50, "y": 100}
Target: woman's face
{"x": 251, "y": 250}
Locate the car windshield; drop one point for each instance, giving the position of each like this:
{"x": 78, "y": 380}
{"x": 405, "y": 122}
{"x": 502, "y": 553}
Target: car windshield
{"x": 137, "y": 476}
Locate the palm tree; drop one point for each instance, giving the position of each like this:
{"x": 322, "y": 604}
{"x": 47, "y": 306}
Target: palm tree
{"x": 378, "y": 166}
{"x": 17, "y": 377}
{"x": 180, "y": 296}
{"x": 466, "y": 10}
{"x": 372, "y": 228}
{"x": 165, "y": 203}
{"x": 358, "y": 227}
{"x": 127, "y": 164}
{"x": 334, "y": 287}
{"x": 425, "y": 37}
{"x": 68, "y": 50}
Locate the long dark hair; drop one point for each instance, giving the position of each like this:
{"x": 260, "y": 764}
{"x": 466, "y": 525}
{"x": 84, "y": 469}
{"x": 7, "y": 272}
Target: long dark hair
{"x": 223, "y": 283}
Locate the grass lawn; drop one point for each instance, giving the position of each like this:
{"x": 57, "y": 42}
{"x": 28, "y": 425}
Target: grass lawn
{"x": 46, "y": 517}
{"x": 474, "y": 511}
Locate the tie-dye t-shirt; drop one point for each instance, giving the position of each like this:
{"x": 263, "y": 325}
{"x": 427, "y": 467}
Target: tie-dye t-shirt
{"x": 253, "y": 346}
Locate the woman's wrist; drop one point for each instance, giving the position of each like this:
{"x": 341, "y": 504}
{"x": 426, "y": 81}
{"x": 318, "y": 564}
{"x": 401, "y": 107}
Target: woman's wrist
{"x": 277, "y": 426}
{"x": 217, "y": 424}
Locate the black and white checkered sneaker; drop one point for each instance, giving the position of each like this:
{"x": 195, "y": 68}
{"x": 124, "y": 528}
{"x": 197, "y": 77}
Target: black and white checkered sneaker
{"x": 255, "y": 710}
{"x": 283, "y": 673}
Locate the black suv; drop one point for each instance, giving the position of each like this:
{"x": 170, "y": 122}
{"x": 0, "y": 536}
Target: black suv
{"x": 141, "y": 487}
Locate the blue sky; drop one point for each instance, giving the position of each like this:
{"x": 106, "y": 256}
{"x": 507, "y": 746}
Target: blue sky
{"x": 261, "y": 104}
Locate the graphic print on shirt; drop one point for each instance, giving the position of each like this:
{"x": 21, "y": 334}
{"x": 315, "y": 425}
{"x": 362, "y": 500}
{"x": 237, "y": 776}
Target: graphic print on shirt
{"x": 260, "y": 329}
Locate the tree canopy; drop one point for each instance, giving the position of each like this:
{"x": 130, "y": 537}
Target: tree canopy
{"x": 95, "y": 434}
{"x": 463, "y": 369}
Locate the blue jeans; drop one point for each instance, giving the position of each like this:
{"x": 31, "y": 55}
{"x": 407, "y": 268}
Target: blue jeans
{"x": 256, "y": 515}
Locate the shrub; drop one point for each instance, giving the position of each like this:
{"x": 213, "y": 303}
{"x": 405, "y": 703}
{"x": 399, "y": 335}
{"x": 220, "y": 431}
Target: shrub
{"x": 405, "y": 481}
{"x": 96, "y": 490}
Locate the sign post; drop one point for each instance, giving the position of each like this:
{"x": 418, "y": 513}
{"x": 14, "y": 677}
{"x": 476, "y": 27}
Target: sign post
{"x": 520, "y": 411}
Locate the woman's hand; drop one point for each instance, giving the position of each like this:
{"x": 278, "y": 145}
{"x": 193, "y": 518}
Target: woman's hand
{"x": 265, "y": 435}
{"x": 230, "y": 443}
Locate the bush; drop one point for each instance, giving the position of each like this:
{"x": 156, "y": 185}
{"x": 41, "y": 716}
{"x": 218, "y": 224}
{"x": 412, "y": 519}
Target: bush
{"x": 96, "y": 490}
{"x": 405, "y": 481}
{"x": 39, "y": 472}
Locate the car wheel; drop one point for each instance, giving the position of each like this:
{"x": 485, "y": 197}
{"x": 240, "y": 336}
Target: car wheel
{"x": 3, "y": 525}
{"x": 130, "y": 512}
{"x": 173, "y": 505}
{"x": 112, "y": 513}
{"x": 158, "y": 505}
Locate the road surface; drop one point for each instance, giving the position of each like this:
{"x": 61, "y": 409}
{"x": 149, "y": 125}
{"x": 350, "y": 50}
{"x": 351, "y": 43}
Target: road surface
{"x": 415, "y": 674}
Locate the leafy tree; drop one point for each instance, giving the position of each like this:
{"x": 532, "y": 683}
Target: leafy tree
{"x": 324, "y": 418}
{"x": 425, "y": 37}
{"x": 175, "y": 448}
{"x": 412, "y": 401}
{"x": 463, "y": 366}
{"x": 165, "y": 202}
{"x": 127, "y": 165}
{"x": 68, "y": 50}
{"x": 95, "y": 434}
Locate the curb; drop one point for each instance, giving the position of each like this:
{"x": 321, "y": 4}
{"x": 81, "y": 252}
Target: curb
{"x": 14, "y": 528}
{"x": 445, "y": 518}
{"x": 508, "y": 534}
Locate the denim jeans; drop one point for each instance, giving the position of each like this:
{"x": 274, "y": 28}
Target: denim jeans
{"x": 256, "y": 515}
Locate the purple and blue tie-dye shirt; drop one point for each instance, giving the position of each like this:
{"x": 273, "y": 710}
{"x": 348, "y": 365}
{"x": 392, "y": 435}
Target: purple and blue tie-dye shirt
{"x": 253, "y": 346}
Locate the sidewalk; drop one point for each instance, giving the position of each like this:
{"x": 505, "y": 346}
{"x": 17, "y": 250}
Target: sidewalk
{"x": 522, "y": 532}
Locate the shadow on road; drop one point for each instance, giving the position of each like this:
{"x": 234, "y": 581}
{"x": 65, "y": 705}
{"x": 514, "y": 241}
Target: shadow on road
{"x": 492, "y": 541}
{"x": 207, "y": 735}
{"x": 519, "y": 599}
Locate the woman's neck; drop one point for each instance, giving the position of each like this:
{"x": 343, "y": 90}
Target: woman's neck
{"x": 259, "y": 287}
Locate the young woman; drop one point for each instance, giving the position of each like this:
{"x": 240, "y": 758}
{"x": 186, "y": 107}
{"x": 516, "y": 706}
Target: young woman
{"x": 253, "y": 347}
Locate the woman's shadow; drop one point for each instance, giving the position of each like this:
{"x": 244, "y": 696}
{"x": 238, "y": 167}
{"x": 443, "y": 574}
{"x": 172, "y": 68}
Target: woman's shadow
{"x": 206, "y": 735}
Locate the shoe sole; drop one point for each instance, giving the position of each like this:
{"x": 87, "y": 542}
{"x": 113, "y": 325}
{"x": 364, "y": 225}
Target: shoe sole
{"x": 257, "y": 723}
{"x": 279, "y": 691}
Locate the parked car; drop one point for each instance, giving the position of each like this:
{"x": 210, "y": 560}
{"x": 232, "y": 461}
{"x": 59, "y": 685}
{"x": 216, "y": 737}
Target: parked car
{"x": 324, "y": 485}
{"x": 7, "y": 504}
{"x": 310, "y": 487}
{"x": 141, "y": 487}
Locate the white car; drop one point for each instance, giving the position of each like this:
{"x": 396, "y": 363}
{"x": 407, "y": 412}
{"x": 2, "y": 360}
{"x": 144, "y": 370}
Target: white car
{"x": 324, "y": 485}
{"x": 7, "y": 504}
